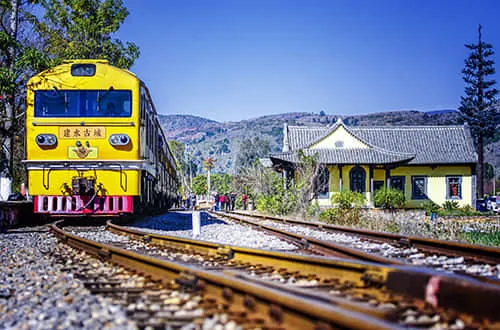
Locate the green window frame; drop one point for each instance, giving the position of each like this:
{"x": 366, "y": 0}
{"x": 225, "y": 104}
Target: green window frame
{"x": 419, "y": 187}
{"x": 398, "y": 182}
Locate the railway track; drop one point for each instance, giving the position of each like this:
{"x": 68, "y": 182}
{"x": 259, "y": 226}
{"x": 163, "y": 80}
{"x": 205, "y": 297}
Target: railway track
{"x": 465, "y": 259}
{"x": 248, "y": 304}
{"x": 400, "y": 295}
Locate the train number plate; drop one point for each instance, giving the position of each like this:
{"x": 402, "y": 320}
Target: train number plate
{"x": 79, "y": 132}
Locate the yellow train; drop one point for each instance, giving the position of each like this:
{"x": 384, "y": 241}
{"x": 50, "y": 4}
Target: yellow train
{"x": 94, "y": 145}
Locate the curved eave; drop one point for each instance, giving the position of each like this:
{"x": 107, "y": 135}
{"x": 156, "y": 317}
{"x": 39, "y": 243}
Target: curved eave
{"x": 346, "y": 156}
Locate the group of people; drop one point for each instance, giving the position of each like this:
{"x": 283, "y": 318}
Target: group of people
{"x": 186, "y": 202}
{"x": 226, "y": 202}
{"x": 222, "y": 202}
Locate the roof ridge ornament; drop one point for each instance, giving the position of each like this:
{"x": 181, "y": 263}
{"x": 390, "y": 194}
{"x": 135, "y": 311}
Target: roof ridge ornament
{"x": 339, "y": 121}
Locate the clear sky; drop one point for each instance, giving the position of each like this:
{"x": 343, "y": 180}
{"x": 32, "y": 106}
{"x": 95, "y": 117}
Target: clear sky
{"x": 230, "y": 60}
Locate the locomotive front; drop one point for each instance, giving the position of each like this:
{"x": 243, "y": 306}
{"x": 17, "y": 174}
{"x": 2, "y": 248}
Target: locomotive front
{"x": 82, "y": 139}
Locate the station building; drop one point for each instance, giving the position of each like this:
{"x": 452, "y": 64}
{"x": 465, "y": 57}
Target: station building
{"x": 424, "y": 162}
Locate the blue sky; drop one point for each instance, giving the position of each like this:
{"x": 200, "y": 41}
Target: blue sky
{"x": 230, "y": 60}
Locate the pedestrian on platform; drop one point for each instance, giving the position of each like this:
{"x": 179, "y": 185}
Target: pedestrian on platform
{"x": 244, "y": 201}
{"x": 233, "y": 200}
{"x": 228, "y": 202}
{"x": 193, "y": 201}
{"x": 216, "y": 198}
{"x": 222, "y": 202}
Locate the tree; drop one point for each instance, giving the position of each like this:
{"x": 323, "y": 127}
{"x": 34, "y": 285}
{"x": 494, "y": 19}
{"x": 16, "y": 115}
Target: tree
{"x": 221, "y": 183}
{"x": 74, "y": 29}
{"x": 208, "y": 164}
{"x": 250, "y": 150}
{"x": 199, "y": 184}
{"x": 477, "y": 105}
{"x": 177, "y": 149}
{"x": 19, "y": 58}
{"x": 489, "y": 171}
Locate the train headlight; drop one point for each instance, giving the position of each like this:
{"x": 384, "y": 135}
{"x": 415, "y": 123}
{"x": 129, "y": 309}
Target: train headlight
{"x": 46, "y": 139}
{"x": 119, "y": 139}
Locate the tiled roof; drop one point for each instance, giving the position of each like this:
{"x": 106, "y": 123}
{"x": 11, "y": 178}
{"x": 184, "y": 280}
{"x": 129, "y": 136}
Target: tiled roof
{"x": 301, "y": 136}
{"x": 348, "y": 156}
{"x": 427, "y": 144}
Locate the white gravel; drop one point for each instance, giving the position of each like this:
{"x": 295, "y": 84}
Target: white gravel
{"x": 410, "y": 255}
{"x": 36, "y": 294}
{"x": 212, "y": 230}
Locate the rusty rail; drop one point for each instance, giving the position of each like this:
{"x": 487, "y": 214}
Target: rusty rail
{"x": 281, "y": 309}
{"x": 461, "y": 293}
{"x": 475, "y": 252}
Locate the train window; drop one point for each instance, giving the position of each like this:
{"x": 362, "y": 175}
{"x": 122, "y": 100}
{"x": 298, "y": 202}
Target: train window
{"x": 83, "y": 103}
{"x": 86, "y": 70}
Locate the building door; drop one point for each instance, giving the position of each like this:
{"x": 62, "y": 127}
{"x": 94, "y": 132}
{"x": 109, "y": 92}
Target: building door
{"x": 357, "y": 178}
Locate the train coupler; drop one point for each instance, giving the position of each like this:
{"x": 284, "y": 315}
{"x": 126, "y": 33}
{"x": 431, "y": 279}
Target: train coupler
{"x": 84, "y": 186}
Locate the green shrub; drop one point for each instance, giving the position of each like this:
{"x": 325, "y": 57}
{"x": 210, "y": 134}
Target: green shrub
{"x": 463, "y": 211}
{"x": 331, "y": 215}
{"x": 313, "y": 209}
{"x": 491, "y": 238}
{"x": 389, "y": 198}
{"x": 430, "y": 207}
{"x": 280, "y": 200}
{"x": 347, "y": 199}
{"x": 450, "y": 205}
{"x": 347, "y": 208}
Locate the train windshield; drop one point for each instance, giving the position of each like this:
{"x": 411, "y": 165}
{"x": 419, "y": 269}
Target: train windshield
{"x": 83, "y": 103}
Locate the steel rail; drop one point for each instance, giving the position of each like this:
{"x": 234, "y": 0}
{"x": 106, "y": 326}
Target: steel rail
{"x": 478, "y": 253}
{"x": 279, "y": 308}
{"x": 325, "y": 246}
{"x": 458, "y": 292}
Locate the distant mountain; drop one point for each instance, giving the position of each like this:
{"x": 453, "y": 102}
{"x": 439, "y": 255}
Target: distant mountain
{"x": 222, "y": 141}
{"x": 438, "y": 112}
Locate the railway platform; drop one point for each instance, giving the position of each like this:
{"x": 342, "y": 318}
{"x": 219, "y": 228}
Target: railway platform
{"x": 17, "y": 214}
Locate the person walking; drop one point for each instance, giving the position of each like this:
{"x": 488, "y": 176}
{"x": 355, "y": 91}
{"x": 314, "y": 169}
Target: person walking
{"x": 233, "y": 201}
{"x": 216, "y": 198}
{"x": 228, "y": 202}
{"x": 244, "y": 201}
{"x": 222, "y": 202}
{"x": 193, "y": 201}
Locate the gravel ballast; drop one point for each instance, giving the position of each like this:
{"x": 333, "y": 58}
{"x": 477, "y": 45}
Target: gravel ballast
{"x": 36, "y": 294}
{"x": 212, "y": 230}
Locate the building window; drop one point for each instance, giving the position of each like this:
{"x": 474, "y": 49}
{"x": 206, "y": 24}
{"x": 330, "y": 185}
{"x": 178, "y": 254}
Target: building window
{"x": 357, "y": 178}
{"x": 339, "y": 144}
{"x": 398, "y": 182}
{"x": 418, "y": 187}
{"x": 322, "y": 182}
{"x": 378, "y": 184}
{"x": 453, "y": 187}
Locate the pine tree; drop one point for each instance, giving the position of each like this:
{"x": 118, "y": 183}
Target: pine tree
{"x": 477, "y": 106}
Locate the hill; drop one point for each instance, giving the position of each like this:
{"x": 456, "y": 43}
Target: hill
{"x": 204, "y": 137}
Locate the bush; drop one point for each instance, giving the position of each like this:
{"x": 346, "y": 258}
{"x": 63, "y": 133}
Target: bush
{"x": 450, "y": 205}
{"x": 347, "y": 199}
{"x": 466, "y": 210}
{"x": 280, "y": 200}
{"x": 348, "y": 206}
{"x": 331, "y": 215}
{"x": 389, "y": 198}
{"x": 430, "y": 207}
{"x": 313, "y": 209}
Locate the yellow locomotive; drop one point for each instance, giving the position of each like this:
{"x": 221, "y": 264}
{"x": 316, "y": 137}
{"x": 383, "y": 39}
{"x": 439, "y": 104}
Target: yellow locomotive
{"x": 94, "y": 145}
